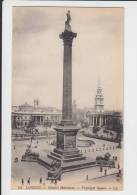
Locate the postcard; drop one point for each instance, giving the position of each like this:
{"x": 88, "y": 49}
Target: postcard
{"x": 66, "y": 111}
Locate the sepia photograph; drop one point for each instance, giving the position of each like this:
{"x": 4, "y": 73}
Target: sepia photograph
{"x": 67, "y": 98}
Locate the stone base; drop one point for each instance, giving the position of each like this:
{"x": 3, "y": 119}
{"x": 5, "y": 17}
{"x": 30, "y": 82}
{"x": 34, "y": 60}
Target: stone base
{"x": 66, "y": 156}
{"x": 66, "y": 150}
{"x": 31, "y": 156}
{"x": 68, "y": 166}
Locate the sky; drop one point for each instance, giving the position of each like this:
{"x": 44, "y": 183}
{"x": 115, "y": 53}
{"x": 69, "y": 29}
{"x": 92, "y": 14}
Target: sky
{"x": 97, "y": 54}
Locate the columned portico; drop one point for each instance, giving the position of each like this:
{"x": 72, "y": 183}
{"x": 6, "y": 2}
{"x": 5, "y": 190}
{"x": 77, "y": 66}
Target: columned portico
{"x": 98, "y": 119}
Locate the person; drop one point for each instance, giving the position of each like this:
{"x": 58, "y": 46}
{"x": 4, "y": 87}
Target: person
{"x": 16, "y": 160}
{"x": 40, "y": 181}
{"x": 14, "y": 147}
{"x": 51, "y": 180}
{"x": 60, "y": 178}
{"x": 101, "y": 169}
{"x": 28, "y": 180}
{"x": 119, "y": 172}
{"x": 118, "y": 166}
{"x": 105, "y": 172}
{"x": 22, "y": 181}
{"x": 87, "y": 177}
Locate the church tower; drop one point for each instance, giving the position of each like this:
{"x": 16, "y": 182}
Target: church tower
{"x": 99, "y": 99}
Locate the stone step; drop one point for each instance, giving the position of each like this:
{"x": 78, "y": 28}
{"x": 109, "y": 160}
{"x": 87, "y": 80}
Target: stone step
{"x": 74, "y": 159}
{"x": 56, "y": 154}
{"x": 75, "y": 151}
{"x": 52, "y": 156}
{"x": 43, "y": 163}
{"x": 72, "y": 167}
{"x": 66, "y": 156}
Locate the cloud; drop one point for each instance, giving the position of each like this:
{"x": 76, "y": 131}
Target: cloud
{"x": 28, "y": 20}
{"x": 38, "y": 54}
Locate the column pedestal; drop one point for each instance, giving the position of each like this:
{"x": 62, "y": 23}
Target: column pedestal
{"x": 66, "y": 150}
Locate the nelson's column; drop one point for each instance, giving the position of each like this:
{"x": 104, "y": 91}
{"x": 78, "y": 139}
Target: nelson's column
{"x": 66, "y": 156}
{"x": 66, "y": 150}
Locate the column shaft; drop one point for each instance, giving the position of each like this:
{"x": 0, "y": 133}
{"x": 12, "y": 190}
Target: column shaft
{"x": 67, "y": 83}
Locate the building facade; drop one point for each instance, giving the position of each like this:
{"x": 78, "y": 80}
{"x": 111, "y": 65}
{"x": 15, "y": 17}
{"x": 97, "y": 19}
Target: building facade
{"x": 26, "y": 115}
{"x": 97, "y": 116}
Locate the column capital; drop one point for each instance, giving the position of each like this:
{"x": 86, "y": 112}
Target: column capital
{"x": 67, "y": 37}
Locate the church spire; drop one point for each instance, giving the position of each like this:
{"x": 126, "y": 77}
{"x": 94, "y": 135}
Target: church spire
{"x": 99, "y": 99}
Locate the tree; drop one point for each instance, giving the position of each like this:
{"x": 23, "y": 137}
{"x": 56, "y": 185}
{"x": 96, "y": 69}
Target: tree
{"x": 96, "y": 129}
